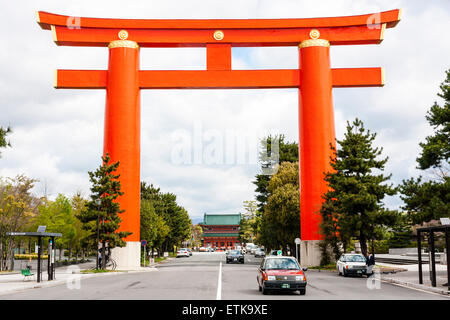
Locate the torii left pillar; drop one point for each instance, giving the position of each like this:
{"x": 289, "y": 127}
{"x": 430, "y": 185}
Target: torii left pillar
{"x": 122, "y": 142}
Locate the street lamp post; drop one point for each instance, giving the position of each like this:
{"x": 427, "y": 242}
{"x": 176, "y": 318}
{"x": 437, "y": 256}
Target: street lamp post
{"x": 103, "y": 248}
{"x": 97, "y": 202}
{"x": 297, "y": 245}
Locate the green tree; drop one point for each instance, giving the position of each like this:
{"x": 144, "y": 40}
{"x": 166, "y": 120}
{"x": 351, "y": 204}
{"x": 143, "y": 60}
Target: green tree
{"x": 281, "y": 218}
{"x": 402, "y": 233}
{"x": 153, "y": 227}
{"x": 175, "y": 216}
{"x": 248, "y": 225}
{"x": 17, "y": 208}
{"x": 81, "y": 241}
{"x": 287, "y": 152}
{"x": 436, "y": 149}
{"x": 197, "y": 233}
{"x": 353, "y": 205}
{"x": 105, "y": 188}
{"x": 3, "y": 133}
{"x": 58, "y": 217}
{"x": 428, "y": 200}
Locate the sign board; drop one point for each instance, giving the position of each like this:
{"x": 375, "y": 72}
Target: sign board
{"x": 41, "y": 228}
{"x": 144, "y": 242}
{"x": 279, "y": 252}
{"x": 166, "y": 254}
{"x": 297, "y": 240}
{"x": 445, "y": 221}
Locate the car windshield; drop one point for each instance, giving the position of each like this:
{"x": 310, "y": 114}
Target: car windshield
{"x": 235, "y": 252}
{"x": 354, "y": 258}
{"x": 289, "y": 264}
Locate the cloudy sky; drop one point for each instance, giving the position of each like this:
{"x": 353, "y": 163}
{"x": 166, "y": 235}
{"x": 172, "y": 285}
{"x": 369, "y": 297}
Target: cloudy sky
{"x": 58, "y": 134}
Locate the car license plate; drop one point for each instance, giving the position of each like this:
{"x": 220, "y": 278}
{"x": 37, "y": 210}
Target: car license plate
{"x": 285, "y": 286}
{"x": 235, "y": 259}
{"x": 359, "y": 271}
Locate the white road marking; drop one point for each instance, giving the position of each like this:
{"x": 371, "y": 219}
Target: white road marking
{"x": 219, "y": 284}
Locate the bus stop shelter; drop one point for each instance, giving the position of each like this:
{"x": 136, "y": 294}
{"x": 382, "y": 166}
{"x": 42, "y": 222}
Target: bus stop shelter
{"x": 51, "y": 250}
{"x": 431, "y": 236}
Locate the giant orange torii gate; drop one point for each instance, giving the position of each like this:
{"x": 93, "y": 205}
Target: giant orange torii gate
{"x": 315, "y": 79}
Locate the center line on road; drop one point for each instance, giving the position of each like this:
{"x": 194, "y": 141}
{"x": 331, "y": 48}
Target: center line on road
{"x": 219, "y": 284}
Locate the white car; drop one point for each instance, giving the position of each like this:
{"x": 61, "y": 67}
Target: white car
{"x": 183, "y": 252}
{"x": 253, "y": 249}
{"x": 352, "y": 263}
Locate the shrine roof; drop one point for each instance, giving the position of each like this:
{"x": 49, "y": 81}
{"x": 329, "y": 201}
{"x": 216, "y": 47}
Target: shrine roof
{"x": 221, "y": 219}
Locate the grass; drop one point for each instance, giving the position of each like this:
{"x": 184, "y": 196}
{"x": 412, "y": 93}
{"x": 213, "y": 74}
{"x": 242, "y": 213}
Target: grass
{"x": 8, "y": 272}
{"x": 98, "y": 271}
{"x": 331, "y": 266}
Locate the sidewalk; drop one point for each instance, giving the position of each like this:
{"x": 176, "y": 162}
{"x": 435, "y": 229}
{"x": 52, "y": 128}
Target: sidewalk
{"x": 69, "y": 275}
{"x": 410, "y": 277}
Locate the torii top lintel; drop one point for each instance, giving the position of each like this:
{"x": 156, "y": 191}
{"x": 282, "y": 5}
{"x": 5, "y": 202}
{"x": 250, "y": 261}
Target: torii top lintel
{"x": 80, "y": 31}
{"x": 218, "y": 36}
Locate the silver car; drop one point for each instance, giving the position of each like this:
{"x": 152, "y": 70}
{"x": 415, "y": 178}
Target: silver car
{"x": 352, "y": 264}
{"x": 260, "y": 253}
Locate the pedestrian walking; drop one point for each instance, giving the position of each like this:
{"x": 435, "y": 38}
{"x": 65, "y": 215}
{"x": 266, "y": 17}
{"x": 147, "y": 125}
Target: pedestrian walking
{"x": 370, "y": 261}
{"x": 100, "y": 258}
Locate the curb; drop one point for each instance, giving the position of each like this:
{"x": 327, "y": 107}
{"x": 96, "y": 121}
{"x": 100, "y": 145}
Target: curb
{"x": 322, "y": 270}
{"x": 381, "y": 271}
{"x": 417, "y": 286}
{"x": 55, "y": 283}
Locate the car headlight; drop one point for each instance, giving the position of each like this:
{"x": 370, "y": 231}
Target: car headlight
{"x": 299, "y": 278}
{"x": 271, "y": 278}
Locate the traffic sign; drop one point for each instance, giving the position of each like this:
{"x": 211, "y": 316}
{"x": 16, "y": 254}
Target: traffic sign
{"x": 297, "y": 240}
{"x": 144, "y": 242}
{"x": 279, "y": 252}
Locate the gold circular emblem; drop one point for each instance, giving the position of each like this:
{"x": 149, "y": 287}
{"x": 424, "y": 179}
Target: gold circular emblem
{"x": 123, "y": 35}
{"x": 218, "y": 35}
{"x": 314, "y": 34}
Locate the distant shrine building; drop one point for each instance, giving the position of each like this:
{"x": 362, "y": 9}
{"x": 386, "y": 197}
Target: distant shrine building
{"x": 221, "y": 231}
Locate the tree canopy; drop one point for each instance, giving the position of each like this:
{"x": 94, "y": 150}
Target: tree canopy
{"x": 3, "y": 133}
{"x": 353, "y": 206}
{"x": 174, "y": 216}
{"x": 280, "y": 223}
{"x": 105, "y": 189}
{"x": 429, "y": 200}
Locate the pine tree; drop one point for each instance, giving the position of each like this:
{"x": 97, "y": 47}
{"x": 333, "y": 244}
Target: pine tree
{"x": 281, "y": 218}
{"x": 288, "y": 152}
{"x": 175, "y": 216}
{"x": 3, "y": 133}
{"x": 353, "y": 207}
{"x": 106, "y": 187}
{"x": 436, "y": 149}
{"x": 425, "y": 201}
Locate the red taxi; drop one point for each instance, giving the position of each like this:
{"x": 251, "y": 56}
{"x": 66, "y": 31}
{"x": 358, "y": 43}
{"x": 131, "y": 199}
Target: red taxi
{"x": 281, "y": 273}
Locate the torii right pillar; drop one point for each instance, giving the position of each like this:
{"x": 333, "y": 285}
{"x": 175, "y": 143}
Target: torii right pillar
{"x": 316, "y": 136}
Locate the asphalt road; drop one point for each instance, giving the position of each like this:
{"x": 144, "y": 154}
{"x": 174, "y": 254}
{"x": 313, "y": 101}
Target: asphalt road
{"x": 198, "y": 278}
